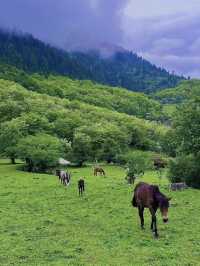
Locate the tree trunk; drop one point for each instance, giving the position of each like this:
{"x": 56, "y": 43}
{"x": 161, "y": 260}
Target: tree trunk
{"x": 29, "y": 164}
{"x": 12, "y": 160}
{"x": 80, "y": 164}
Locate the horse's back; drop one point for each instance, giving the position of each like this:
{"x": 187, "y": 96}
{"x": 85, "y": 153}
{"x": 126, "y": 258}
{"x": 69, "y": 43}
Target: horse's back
{"x": 143, "y": 195}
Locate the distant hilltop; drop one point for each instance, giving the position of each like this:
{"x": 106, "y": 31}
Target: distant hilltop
{"x": 105, "y": 63}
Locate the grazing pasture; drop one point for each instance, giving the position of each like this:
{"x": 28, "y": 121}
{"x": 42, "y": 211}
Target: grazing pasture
{"x": 45, "y": 223}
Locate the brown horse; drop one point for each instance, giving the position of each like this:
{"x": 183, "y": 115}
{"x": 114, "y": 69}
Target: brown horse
{"x": 159, "y": 163}
{"x": 99, "y": 170}
{"x": 149, "y": 196}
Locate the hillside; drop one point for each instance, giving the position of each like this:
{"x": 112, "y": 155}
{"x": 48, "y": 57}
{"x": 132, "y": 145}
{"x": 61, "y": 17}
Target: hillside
{"x": 185, "y": 90}
{"x": 122, "y": 69}
{"x": 105, "y": 134}
{"x": 112, "y": 98}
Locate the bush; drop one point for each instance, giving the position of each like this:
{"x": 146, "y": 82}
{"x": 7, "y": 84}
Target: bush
{"x": 185, "y": 169}
{"x": 41, "y": 152}
{"x": 136, "y": 161}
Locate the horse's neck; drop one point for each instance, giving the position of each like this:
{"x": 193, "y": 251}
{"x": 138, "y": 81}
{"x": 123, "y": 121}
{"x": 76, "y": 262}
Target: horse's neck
{"x": 159, "y": 197}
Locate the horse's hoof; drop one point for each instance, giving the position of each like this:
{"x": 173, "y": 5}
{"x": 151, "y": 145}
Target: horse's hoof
{"x": 156, "y": 235}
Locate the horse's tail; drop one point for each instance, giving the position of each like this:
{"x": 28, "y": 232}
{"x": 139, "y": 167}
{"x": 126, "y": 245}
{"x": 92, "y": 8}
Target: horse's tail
{"x": 134, "y": 203}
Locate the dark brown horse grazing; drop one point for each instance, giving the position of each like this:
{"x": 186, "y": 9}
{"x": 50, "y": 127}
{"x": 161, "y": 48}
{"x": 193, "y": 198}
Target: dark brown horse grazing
{"x": 149, "y": 196}
{"x": 99, "y": 170}
{"x": 81, "y": 186}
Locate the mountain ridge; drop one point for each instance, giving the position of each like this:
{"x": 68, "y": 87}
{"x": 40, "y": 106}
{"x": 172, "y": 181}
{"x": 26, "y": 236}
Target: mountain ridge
{"x": 122, "y": 69}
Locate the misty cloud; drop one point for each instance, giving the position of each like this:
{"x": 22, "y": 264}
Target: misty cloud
{"x": 66, "y": 23}
{"x": 172, "y": 41}
{"x": 165, "y": 32}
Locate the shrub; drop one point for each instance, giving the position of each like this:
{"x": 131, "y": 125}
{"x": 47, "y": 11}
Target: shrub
{"x": 136, "y": 161}
{"x": 185, "y": 169}
{"x": 41, "y": 152}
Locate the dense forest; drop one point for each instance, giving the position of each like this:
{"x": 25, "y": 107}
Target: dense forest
{"x": 112, "y": 98}
{"x": 122, "y": 69}
{"x": 184, "y": 91}
{"x": 87, "y": 132}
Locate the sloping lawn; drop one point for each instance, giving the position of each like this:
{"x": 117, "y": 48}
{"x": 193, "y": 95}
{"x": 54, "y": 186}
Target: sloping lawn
{"x": 44, "y": 223}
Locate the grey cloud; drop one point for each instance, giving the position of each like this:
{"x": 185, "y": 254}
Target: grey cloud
{"x": 66, "y": 23}
{"x": 172, "y": 42}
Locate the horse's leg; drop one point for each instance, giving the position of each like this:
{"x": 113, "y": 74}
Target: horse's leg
{"x": 154, "y": 221}
{"x": 141, "y": 212}
{"x": 151, "y": 223}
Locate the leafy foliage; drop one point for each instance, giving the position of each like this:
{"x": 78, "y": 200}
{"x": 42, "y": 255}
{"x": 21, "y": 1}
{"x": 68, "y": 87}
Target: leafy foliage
{"x": 40, "y": 152}
{"x": 184, "y": 91}
{"x": 118, "y": 99}
{"x": 186, "y": 168}
{"x": 94, "y": 132}
{"x": 187, "y": 138}
{"x": 137, "y": 161}
{"x": 187, "y": 126}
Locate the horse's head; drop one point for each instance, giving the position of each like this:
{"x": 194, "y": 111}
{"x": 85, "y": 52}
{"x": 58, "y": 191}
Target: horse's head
{"x": 164, "y": 206}
{"x": 57, "y": 172}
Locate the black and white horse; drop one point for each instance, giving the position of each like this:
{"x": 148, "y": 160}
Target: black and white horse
{"x": 64, "y": 177}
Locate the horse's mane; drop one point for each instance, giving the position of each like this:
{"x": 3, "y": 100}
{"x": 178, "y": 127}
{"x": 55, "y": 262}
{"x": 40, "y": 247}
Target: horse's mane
{"x": 159, "y": 196}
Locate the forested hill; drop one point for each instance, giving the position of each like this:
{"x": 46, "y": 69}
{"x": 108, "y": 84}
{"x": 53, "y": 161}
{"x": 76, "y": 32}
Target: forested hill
{"x": 112, "y": 98}
{"x": 185, "y": 90}
{"x": 124, "y": 69}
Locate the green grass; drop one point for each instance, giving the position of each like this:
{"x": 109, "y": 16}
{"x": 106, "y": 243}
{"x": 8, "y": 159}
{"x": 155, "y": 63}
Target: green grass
{"x": 43, "y": 223}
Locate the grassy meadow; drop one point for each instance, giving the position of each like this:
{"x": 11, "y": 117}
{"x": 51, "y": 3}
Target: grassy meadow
{"x": 44, "y": 223}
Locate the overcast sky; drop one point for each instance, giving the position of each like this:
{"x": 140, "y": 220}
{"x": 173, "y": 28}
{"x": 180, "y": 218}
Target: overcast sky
{"x": 166, "y": 32}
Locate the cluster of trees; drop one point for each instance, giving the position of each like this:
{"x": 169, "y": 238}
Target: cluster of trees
{"x": 39, "y": 129}
{"x": 113, "y": 98}
{"x": 184, "y": 142}
{"x": 123, "y": 69}
{"x": 184, "y": 91}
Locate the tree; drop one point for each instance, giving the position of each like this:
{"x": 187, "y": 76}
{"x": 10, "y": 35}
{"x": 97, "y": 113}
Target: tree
{"x": 137, "y": 163}
{"x": 185, "y": 168}
{"x": 14, "y": 130}
{"x": 81, "y": 148}
{"x": 187, "y": 129}
{"x": 40, "y": 152}
{"x": 11, "y": 133}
